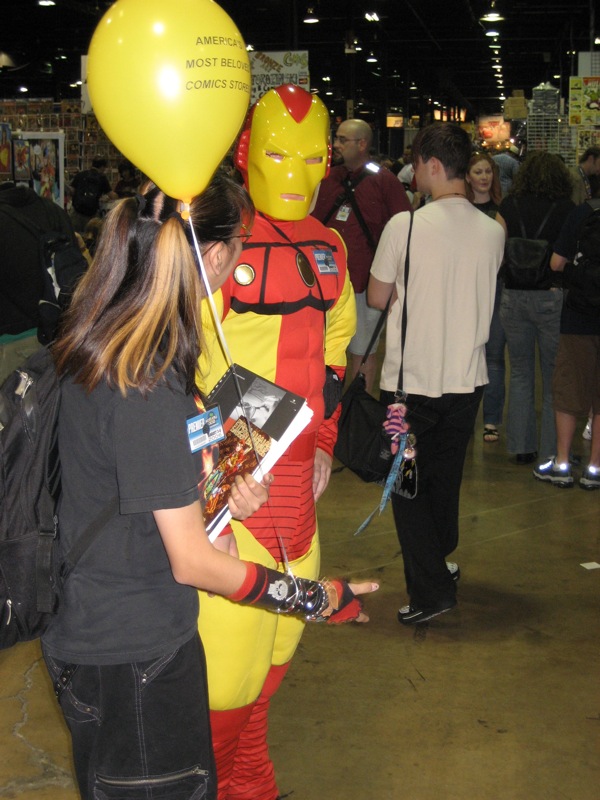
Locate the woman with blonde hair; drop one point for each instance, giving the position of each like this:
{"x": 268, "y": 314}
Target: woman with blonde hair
{"x": 123, "y": 650}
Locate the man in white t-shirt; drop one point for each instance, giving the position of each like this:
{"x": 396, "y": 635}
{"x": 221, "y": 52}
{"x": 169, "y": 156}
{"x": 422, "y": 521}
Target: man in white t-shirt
{"x": 455, "y": 254}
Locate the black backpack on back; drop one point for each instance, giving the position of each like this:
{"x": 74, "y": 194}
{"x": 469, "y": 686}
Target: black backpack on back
{"x": 62, "y": 265}
{"x": 30, "y": 575}
{"x": 88, "y": 191}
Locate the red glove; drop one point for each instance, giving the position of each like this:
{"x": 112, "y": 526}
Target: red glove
{"x": 346, "y": 606}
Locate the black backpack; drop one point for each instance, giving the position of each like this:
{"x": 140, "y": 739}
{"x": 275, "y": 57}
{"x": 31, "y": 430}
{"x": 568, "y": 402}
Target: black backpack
{"x": 88, "y": 191}
{"x": 62, "y": 265}
{"x": 30, "y": 577}
{"x": 582, "y": 277}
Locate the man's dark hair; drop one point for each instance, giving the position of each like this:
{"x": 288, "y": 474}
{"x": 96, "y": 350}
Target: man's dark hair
{"x": 99, "y": 163}
{"x": 594, "y": 152}
{"x": 449, "y": 143}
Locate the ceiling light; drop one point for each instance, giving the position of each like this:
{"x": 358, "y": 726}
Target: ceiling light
{"x": 492, "y": 15}
{"x": 310, "y": 17}
{"x": 6, "y": 60}
{"x": 46, "y": 3}
{"x": 23, "y": 89}
{"x": 372, "y": 58}
{"x": 492, "y": 33}
{"x": 371, "y": 17}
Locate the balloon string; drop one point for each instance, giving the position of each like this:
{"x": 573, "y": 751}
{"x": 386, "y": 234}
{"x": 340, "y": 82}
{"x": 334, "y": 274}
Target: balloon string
{"x": 223, "y": 342}
{"x": 211, "y": 300}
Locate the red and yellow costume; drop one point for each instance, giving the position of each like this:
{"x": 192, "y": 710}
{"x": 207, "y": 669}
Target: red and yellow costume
{"x": 287, "y": 311}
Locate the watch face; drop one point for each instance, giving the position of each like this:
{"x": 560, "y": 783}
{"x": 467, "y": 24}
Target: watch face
{"x": 305, "y": 270}
{"x": 244, "y": 274}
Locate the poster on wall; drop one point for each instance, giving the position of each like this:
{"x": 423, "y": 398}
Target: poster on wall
{"x": 587, "y": 138}
{"x": 274, "y": 68}
{"x": 39, "y": 162}
{"x": 584, "y": 101}
{"x": 5, "y": 153}
{"x": 493, "y": 129}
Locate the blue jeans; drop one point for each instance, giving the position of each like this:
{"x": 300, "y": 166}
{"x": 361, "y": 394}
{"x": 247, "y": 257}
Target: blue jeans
{"x": 530, "y": 318}
{"x": 493, "y": 395}
{"x": 427, "y": 525}
{"x": 140, "y": 731}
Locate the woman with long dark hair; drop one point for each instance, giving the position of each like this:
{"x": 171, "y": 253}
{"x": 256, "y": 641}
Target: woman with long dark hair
{"x": 535, "y": 208}
{"x": 123, "y": 650}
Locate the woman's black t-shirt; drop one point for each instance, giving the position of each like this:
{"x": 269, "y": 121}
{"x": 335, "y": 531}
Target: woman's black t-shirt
{"x": 121, "y": 602}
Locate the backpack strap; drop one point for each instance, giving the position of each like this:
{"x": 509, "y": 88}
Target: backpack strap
{"x": 88, "y": 537}
{"x": 349, "y": 196}
{"x": 536, "y": 235}
{"x": 48, "y": 529}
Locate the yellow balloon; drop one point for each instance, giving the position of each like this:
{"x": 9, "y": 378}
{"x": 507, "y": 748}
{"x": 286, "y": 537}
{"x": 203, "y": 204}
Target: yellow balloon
{"x": 169, "y": 81}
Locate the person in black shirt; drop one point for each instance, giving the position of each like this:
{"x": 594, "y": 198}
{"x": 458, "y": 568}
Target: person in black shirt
{"x": 21, "y": 280}
{"x": 123, "y": 650}
{"x": 540, "y": 193}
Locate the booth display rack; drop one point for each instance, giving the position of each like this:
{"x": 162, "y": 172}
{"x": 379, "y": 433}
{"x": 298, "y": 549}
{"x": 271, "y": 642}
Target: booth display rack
{"x": 84, "y": 138}
{"x": 553, "y": 134}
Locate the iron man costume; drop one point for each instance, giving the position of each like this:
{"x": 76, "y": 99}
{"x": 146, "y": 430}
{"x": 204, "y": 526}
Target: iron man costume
{"x": 287, "y": 311}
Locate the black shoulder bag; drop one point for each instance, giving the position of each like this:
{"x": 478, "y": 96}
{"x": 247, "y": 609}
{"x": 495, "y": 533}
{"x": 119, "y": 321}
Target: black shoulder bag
{"x": 362, "y": 444}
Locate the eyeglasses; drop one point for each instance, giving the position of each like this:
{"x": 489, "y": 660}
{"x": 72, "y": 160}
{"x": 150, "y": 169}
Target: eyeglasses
{"x": 344, "y": 139}
{"x": 244, "y": 235}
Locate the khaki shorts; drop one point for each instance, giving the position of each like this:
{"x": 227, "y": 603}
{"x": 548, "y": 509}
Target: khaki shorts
{"x": 576, "y": 379}
{"x": 366, "y": 322}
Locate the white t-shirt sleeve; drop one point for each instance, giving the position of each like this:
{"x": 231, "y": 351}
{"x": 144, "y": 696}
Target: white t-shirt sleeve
{"x": 390, "y": 251}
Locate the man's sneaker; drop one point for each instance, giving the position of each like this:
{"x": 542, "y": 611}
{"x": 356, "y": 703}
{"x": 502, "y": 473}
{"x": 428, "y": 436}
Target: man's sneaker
{"x": 453, "y": 569}
{"x": 557, "y": 474}
{"x": 590, "y": 478}
{"x": 411, "y": 615}
{"x": 587, "y": 431}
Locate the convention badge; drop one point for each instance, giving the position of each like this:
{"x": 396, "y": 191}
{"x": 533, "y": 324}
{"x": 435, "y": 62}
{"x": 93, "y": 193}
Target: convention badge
{"x": 205, "y": 429}
{"x": 244, "y": 274}
{"x": 305, "y": 270}
{"x": 325, "y": 261}
{"x": 343, "y": 213}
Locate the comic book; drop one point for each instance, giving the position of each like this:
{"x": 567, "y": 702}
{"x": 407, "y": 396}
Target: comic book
{"x": 237, "y": 436}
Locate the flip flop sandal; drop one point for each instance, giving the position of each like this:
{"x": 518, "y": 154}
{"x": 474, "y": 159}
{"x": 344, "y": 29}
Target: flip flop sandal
{"x": 490, "y": 434}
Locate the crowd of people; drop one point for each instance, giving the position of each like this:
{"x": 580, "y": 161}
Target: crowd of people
{"x": 167, "y": 688}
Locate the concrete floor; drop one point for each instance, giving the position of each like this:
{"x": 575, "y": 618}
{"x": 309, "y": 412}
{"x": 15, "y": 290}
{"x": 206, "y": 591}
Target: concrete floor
{"x": 497, "y": 700}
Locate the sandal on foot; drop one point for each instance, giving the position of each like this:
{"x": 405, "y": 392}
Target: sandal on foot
{"x": 490, "y": 434}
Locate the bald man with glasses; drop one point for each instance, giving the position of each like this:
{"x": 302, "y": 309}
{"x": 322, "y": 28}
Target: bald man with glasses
{"x": 357, "y": 199}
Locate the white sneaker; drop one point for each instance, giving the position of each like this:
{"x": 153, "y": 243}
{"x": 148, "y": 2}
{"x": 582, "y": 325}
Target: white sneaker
{"x": 587, "y": 431}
